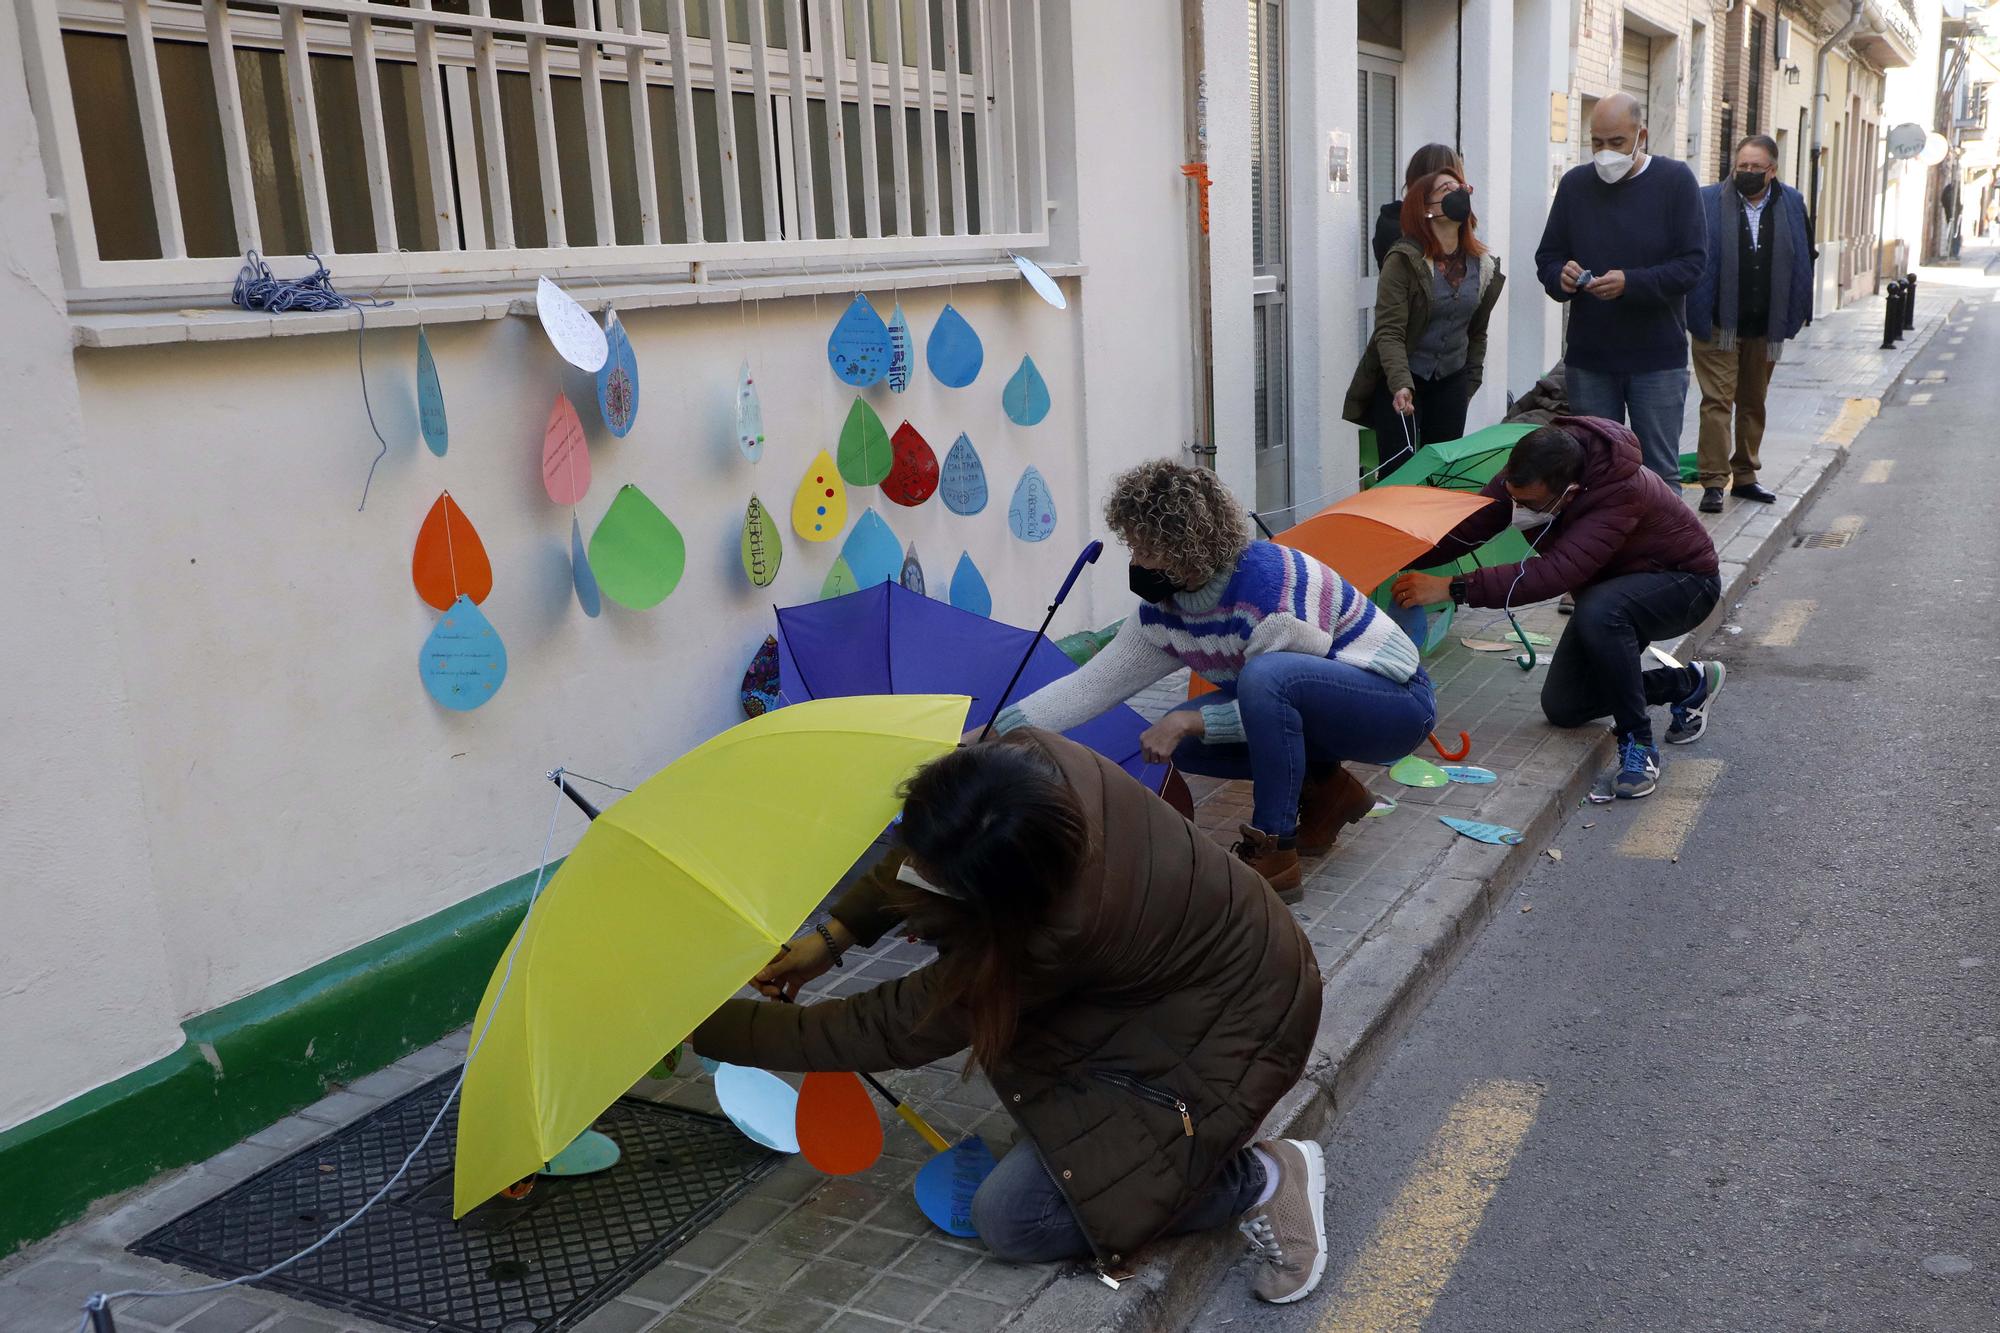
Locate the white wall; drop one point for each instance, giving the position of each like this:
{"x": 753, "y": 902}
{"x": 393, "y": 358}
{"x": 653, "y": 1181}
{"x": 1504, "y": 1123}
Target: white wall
{"x": 239, "y": 773}
{"x": 84, "y": 991}
{"x": 1541, "y": 70}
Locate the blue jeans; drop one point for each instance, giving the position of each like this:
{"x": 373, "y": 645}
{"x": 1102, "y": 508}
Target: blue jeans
{"x": 1301, "y": 712}
{"x": 1024, "y": 1219}
{"x": 1655, "y": 399}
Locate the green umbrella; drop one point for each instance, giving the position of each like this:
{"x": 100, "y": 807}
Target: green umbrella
{"x": 1464, "y": 465}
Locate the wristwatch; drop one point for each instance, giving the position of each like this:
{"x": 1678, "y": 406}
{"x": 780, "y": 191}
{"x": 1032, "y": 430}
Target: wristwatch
{"x": 1458, "y": 585}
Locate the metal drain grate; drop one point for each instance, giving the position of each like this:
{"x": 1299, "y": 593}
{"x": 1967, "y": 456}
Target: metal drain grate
{"x": 1831, "y": 539}
{"x": 536, "y": 1265}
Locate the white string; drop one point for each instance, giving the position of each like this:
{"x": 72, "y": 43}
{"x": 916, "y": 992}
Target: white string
{"x": 102, "y": 1300}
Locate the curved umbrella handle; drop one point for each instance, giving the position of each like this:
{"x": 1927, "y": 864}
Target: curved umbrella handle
{"x": 1464, "y": 747}
{"x": 1088, "y": 556}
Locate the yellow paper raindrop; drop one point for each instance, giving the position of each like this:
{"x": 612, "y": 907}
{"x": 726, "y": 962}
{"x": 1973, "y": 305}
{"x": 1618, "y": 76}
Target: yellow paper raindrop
{"x": 819, "y": 510}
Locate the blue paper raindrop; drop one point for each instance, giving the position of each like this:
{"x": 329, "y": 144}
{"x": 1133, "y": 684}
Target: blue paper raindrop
{"x": 463, "y": 660}
{"x": 618, "y": 379}
{"x": 968, "y": 587}
{"x": 954, "y": 350}
{"x": 430, "y": 398}
{"x": 945, "y": 1186}
{"x": 1031, "y": 514}
{"x": 902, "y": 351}
{"x": 962, "y": 479}
{"x": 1026, "y": 396}
{"x": 872, "y": 551}
{"x": 858, "y": 348}
{"x": 579, "y": 570}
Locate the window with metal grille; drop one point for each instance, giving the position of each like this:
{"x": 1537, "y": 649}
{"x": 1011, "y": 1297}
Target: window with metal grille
{"x": 461, "y": 140}
{"x": 1753, "y": 108}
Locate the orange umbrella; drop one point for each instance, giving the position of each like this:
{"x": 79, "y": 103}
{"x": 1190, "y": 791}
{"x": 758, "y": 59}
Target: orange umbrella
{"x": 1374, "y": 533}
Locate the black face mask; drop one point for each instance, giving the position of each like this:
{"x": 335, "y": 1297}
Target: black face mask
{"x": 1751, "y": 183}
{"x": 1457, "y": 205}
{"x": 1152, "y": 585}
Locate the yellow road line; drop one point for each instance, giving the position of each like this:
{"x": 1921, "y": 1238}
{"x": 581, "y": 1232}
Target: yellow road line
{"x": 1878, "y": 471}
{"x": 1671, "y": 811}
{"x": 1786, "y": 624}
{"x": 1854, "y": 414}
{"x": 1419, "y": 1241}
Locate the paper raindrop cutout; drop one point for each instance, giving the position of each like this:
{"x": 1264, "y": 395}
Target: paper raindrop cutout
{"x": 749, "y": 416}
{"x": 762, "y": 550}
{"x": 858, "y": 348}
{"x": 449, "y": 559}
{"x": 1471, "y": 774}
{"x": 839, "y": 581}
{"x": 902, "y": 351}
{"x": 430, "y": 398}
{"x": 819, "y": 508}
{"x": 865, "y": 453}
{"x": 912, "y": 577}
{"x": 913, "y": 475}
{"x": 1026, "y": 396}
{"x": 1497, "y": 834}
{"x": 571, "y": 330}
{"x": 760, "y": 683}
{"x": 968, "y": 587}
{"x": 1413, "y": 771}
{"x": 1031, "y": 514}
{"x": 463, "y": 660}
{"x": 761, "y": 1104}
{"x": 838, "y": 1129}
{"x": 945, "y": 1186}
{"x": 1038, "y": 278}
{"x": 565, "y": 456}
{"x": 954, "y": 350}
{"x": 587, "y": 595}
{"x": 618, "y": 379}
{"x": 962, "y": 480}
{"x": 637, "y": 553}
{"x": 872, "y": 551}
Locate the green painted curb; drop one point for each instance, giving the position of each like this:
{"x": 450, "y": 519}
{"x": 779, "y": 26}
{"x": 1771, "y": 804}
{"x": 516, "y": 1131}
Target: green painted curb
{"x": 254, "y": 1061}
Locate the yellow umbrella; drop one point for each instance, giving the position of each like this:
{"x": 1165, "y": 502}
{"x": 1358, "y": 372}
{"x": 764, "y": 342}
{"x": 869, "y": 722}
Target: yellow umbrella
{"x": 674, "y": 898}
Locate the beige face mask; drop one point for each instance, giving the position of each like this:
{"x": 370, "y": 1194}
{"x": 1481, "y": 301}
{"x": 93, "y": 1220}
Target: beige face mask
{"x": 908, "y": 875}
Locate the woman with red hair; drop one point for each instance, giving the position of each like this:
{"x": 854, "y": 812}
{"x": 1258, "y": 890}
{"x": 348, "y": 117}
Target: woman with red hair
{"x": 1427, "y": 354}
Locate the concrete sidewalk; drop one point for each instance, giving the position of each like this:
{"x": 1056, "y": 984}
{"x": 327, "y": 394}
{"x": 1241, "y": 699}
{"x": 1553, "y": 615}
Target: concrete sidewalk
{"x": 1386, "y": 913}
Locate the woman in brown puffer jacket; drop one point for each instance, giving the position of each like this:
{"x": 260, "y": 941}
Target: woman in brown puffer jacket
{"x": 1139, "y": 998}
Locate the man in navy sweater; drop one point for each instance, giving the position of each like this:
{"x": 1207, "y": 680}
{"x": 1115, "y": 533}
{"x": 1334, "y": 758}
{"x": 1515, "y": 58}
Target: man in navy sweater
{"x": 1627, "y": 233}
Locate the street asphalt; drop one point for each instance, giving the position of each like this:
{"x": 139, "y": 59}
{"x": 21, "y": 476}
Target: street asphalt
{"x": 1754, "y": 1087}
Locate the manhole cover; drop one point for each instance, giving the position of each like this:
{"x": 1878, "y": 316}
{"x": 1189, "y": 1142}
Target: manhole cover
{"x": 534, "y": 1265}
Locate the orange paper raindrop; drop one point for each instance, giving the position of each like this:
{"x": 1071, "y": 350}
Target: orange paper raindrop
{"x": 839, "y": 1130}
{"x": 449, "y": 558}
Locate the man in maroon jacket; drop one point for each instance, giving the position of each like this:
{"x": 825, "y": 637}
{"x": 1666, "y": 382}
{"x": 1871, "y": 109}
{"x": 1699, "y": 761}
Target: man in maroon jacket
{"x": 1640, "y": 564}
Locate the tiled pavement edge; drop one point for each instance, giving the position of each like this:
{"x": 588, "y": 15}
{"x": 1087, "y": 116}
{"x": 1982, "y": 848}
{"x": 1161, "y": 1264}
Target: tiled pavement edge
{"x": 1386, "y": 913}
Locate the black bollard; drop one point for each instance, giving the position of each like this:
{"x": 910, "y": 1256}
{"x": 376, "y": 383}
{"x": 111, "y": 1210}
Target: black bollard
{"x": 1892, "y": 315}
{"x": 1909, "y": 300}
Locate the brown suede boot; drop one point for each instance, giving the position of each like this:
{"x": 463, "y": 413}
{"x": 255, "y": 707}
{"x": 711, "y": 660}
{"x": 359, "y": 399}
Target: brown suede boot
{"x": 1264, "y": 853}
{"x": 1328, "y": 804}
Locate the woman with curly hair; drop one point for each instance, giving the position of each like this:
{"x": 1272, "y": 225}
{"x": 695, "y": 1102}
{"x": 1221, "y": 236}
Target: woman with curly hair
{"x": 1309, "y": 673}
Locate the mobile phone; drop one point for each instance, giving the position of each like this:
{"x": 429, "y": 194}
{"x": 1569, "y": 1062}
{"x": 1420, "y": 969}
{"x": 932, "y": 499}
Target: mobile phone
{"x": 1584, "y": 279}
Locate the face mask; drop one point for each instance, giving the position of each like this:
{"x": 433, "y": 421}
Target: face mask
{"x": 1457, "y": 205}
{"x": 1611, "y": 167}
{"x": 1152, "y": 585}
{"x": 1525, "y": 517}
{"x": 908, "y": 876}
{"x": 1750, "y": 183}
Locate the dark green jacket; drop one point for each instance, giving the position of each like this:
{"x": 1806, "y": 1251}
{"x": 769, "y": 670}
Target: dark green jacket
{"x": 1168, "y": 971}
{"x": 1402, "y": 310}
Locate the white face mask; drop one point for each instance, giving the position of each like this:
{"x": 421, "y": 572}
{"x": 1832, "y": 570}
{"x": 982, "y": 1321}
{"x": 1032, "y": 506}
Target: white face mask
{"x": 909, "y": 876}
{"x": 1612, "y": 167}
{"x": 1525, "y": 517}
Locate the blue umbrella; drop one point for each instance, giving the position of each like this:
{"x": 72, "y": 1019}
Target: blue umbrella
{"x": 889, "y": 640}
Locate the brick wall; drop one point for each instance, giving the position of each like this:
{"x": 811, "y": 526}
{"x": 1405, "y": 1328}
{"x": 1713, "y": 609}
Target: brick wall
{"x": 1599, "y": 42}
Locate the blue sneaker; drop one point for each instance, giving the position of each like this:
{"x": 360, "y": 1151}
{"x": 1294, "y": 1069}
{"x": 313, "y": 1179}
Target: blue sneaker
{"x": 1691, "y": 714}
{"x": 1638, "y": 769}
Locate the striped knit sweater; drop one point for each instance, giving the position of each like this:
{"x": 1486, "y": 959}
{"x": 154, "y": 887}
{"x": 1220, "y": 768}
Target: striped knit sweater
{"x": 1276, "y": 600}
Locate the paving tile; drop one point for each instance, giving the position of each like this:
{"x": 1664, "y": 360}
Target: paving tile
{"x": 897, "y": 1298}
{"x": 619, "y": 1316}
{"x": 750, "y": 1216}
{"x": 933, "y": 1261}
{"x": 293, "y": 1323}
{"x": 763, "y": 1266}
{"x": 871, "y": 1248}
{"x": 393, "y": 1081}
{"x": 709, "y": 1250}
{"x": 789, "y": 1314}
{"x": 959, "y": 1313}
{"x": 231, "y": 1314}
{"x": 435, "y": 1059}
{"x": 727, "y": 1302}
{"x": 665, "y": 1285}
{"x": 1005, "y": 1282}
{"x": 853, "y": 1322}
{"x": 831, "y": 1281}
{"x": 806, "y": 1235}
{"x": 291, "y": 1132}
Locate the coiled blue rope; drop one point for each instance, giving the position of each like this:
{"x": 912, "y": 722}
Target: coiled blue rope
{"x": 257, "y": 288}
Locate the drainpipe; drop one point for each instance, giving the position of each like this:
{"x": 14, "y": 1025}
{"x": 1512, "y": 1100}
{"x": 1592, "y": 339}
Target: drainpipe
{"x": 1819, "y": 115}
{"x": 1194, "y": 78}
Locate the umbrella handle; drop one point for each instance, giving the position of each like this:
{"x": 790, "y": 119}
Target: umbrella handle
{"x": 1464, "y": 747}
{"x": 1087, "y": 556}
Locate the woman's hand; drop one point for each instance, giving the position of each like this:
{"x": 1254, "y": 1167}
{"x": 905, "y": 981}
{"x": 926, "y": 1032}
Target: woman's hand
{"x": 971, "y": 736}
{"x": 1414, "y": 589}
{"x": 797, "y": 963}
{"x": 1159, "y": 741}
{"x": 1404, "y": 402}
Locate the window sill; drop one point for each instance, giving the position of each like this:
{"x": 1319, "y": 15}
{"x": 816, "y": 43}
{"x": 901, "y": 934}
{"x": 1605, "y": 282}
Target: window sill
{"x": 105, "y": 328}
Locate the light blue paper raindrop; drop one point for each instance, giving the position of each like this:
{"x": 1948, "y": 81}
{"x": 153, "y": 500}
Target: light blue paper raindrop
{"x": 1496, "y": 834}
{"x": 618, "y": 379}
{"x": 858, "y": 348}
{"x": 954, "y": 350}
{"x": 463, "y": 660}
{"x": 912, "y": 577}
{"x": 945, "y": 1185}
{"x": 962, "y": 479}
{"x": 1031, "y": 514}
{"x": 761, "y": 1104}
{"x": 1470, "y": 773}
{"x": 579, "y": 570}
{"x": 968, "y": 587}
{"x": 902, "y": 351}
{"x": 430, "y": 398}
{"x": 1026, "y": 396}
{"x": 872, "y": 551}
